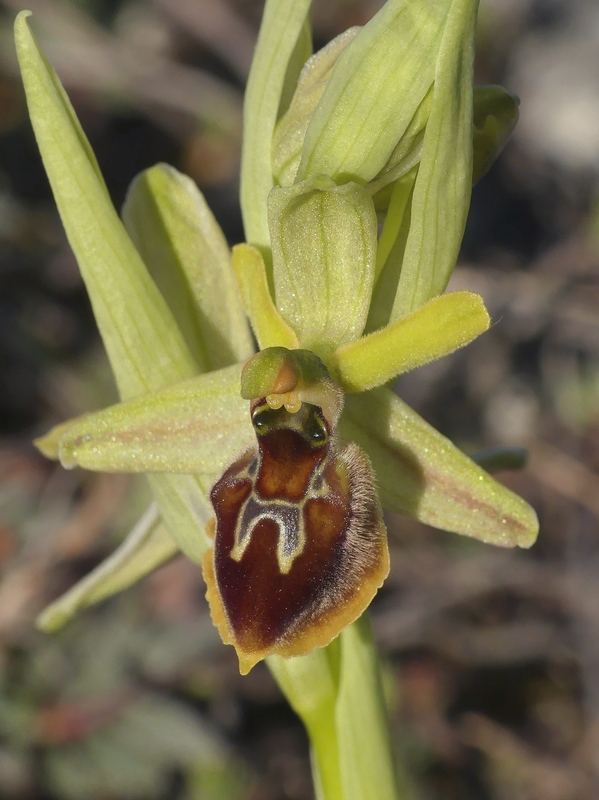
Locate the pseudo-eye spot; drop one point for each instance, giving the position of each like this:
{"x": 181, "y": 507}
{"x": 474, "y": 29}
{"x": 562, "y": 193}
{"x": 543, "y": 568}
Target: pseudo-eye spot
{"x": 300, "y": 547}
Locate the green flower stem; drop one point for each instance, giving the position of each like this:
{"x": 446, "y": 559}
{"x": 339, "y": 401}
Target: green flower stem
{"x": 337, "y": 692}
{"x": 310, "y": 684}
{"x": 365, "y": 753}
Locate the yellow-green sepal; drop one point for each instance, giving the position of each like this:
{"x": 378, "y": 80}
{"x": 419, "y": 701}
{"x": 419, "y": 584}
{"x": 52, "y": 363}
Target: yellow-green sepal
{"x": 187, "y": 255}
{"x": 283, "y": 25}
{"x": 144, "y": 344}
{"x": 148, "y": 546}
{"x": 436, "y": 329}
{"x": 324, "y": 253}
{"x": 268, "y": 325}
{"x": 197, "y": 426}
{"x": 421, "y": 474}
{"x": 441, "y": 196}
{"x": 376, "y": 87}
{"x": 291, "y": 128}
{"x": 130, "y": 311}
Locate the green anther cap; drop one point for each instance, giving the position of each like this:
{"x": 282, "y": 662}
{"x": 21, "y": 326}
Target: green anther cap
{"x": 299, "y": 375}
{"x": 278, "y": 370}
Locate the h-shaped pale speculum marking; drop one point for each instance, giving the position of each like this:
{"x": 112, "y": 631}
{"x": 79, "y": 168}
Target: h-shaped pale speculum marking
{"x": 286, "y": 514}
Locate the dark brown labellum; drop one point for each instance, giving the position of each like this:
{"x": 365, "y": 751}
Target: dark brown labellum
{"x": 300, "y": 547}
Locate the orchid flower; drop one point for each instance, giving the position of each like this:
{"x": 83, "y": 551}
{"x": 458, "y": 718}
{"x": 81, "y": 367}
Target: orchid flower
{"x": 271, "y": 468}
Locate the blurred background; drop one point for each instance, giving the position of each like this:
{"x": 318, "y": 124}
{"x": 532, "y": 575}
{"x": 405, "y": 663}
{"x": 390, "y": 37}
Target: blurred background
{"x": 491, "y": 657}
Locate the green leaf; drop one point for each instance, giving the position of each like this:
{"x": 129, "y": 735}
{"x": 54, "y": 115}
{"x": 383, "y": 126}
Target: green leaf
{"x": 291, "y": 128}
{"x": 145, "y": 347}
{"x": 365, "y": 755}
{"x": 196, "y": 426}
{"x": 494, "y": 118}
{"x": 282, "y": 25}
{"x": 131, "y": 313}
{"x": 421, "y": 474}
{"x": 324, "y": 252}
{"x": 268, "y": 325}
{"x": 375, "y": 89}
{"x": 187, "y": 255}
{"x": 147, "y": 547}
{"x": 436, "y": 329}
{"x": 443, "y": 184}
{"x": 336, "y": 690}
{"x": 310, "y": 684}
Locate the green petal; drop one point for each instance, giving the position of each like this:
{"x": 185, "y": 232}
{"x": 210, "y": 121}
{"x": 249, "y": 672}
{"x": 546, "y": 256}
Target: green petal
{"x": 131, "y": 314}
{"x": 268, "y": 325}
{"x": 291, "y": 128}
{"x": 187, "y": 255}
{"x": 375, "y": 89}
{"x": 443, "y": 185}
{"x": 494, "y": 118}
{"x": 436, "y": 329}
{"x": 282, "y": 25}
{"x": 324, "y": 251}
{"x": 421, "y": 474}
{"x": 197, "y": 426}
{"x": 147, "y": 547}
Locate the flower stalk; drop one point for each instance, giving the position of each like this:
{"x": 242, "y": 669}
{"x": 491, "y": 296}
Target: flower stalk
{"x": 253, "y": 467}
